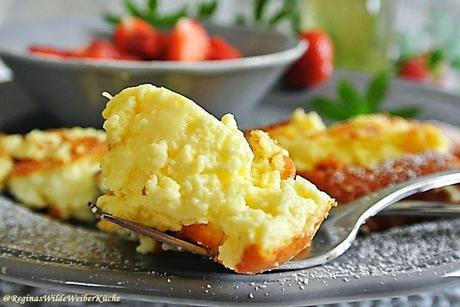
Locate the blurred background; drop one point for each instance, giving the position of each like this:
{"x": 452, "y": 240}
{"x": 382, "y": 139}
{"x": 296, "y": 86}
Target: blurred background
{"x": 368, "y": 35}
{"x": 416, "y": 41}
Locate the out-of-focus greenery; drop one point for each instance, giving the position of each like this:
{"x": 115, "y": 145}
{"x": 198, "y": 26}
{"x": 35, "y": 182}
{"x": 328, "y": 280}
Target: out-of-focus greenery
{"x": 150, "y": 12}
{"x": 350, "y": 102}
{"x": 261, "y": 16}
{"x": 445, "y": 33}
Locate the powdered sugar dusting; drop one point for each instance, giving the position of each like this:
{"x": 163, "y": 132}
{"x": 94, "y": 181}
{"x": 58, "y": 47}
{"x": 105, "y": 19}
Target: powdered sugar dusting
{"x": 412, "y": 248}
{"x": 402, "y": 249}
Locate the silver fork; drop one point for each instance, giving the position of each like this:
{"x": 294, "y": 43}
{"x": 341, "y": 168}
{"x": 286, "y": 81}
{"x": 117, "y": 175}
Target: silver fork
{"x": 336, "y": 233}
{"x": 149, "y": 232}
{"x": 423, "y": 208}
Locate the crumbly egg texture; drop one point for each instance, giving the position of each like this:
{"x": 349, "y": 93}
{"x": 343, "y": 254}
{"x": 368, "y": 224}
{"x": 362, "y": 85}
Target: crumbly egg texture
{"x": 171, "y": 164}
{"x": 54, "y": 169}
{"x": 6, "y": 162}
{"x": 365, "y": 140}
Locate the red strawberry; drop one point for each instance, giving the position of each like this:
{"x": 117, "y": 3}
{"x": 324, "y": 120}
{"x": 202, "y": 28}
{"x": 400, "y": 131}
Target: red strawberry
{"x": 220, "y": 49}
{"x": 136, "y": 36}
{"x": 316, "y": 64}
{"x": 164, "y": 43}
{"x": 415, "y": 69}
{"x": 78, "y": 52}
{"x": 49, "y": 51}
{"x": 189, "y": 41}
{"x": 99, "y": 49}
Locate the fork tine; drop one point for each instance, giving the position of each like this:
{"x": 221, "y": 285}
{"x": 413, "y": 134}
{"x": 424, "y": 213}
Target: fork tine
{"x": 148, "y": 232}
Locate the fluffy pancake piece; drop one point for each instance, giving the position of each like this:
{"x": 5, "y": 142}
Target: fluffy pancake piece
{"x": 364, "y": 141}
{"x": 56, "y": 169}
{"x": 353, "y": 158}
{"x": 174, "y": 167}
{"x": 6, "y": 163}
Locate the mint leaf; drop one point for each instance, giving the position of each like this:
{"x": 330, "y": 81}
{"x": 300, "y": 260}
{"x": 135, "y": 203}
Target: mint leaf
{"x": 350, "y": 102}
{"x": 287, "y": 11}
{"x": 207, "y": 9}
{"x": 132, "y": 9}
{"x": 169, "y": 20}
{"x": 377, "y": 91}
{"x": 260, "y": 7}
{"x": 112, "y": 19}
{"x": 152, "y": 7}
{"x": 277, "y": 18}
{"x": 350, "y": 98}
{"x": 295, "y": 21}
{"x": 150, "y": 12}
{"x": 292, "y": 6}
{"x": 328, "y": 108}
{"x": 435, "y": 57}
{"x": 406, "y": 112}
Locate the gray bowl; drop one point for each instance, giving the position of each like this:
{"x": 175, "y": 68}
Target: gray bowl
{"x": 71, "y": 89}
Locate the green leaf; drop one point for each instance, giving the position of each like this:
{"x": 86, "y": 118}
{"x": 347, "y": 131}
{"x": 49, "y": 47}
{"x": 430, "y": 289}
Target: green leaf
{"x": 350, "y": 102}
{"x": 406, "y": 112}
{"x": 328, "y": 108}
{"x": 112, "y": 19}
{"x": 152, "y": 7}
{"x": 434, "y": 59}
{"x": 295, "y": 21}
{"x": 292, "y": 6}
{"x": 132, "y": 9}
{"x": 207, "y": 9}
{"x": 377, "y": 91}
{"x": 259, "y": 9}
{"x": 350, "y": 98}
{"x": 169, "y": 20}
{"x": 277, "y": 18}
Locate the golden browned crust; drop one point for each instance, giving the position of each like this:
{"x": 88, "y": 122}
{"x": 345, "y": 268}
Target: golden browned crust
{"x": 346, "y": 184}
{"x": 206, "y": 235}
{"x": 254, "y": 259}
{"x": 349, "y": 183}
{"x": 63, "y": 160}
{"x": 270, "y": 127}
{"x": 87, "y": 146}
{"x": 289, "y": 170}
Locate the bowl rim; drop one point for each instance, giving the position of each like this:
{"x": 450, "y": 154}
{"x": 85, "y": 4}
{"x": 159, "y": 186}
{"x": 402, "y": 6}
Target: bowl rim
{"x": 287, "y": 55}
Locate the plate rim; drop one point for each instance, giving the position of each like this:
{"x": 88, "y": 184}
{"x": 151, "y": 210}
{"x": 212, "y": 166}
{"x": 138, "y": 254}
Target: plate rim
{"x": 419, "y": 281}
{"x": 437, "y": 281}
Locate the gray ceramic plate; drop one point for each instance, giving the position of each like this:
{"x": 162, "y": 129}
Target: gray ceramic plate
{"x": 39, "y": 252}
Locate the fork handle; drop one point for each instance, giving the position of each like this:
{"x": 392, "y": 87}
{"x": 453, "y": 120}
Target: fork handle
{"x": 362, "y": 209}
{"x": 423, "y": 208}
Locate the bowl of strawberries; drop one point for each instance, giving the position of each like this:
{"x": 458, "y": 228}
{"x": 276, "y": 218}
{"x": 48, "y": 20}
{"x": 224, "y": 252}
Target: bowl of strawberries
{"x": 66, "y": 64}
